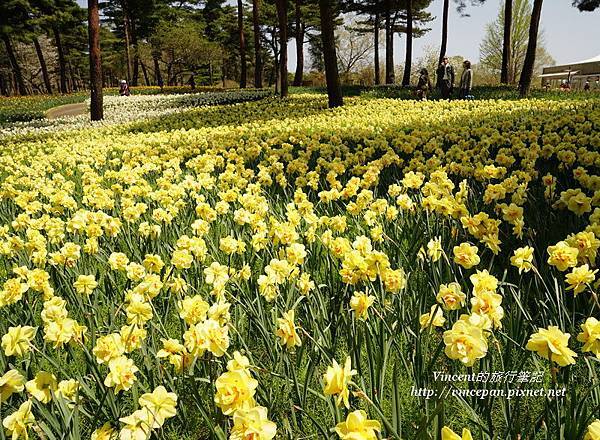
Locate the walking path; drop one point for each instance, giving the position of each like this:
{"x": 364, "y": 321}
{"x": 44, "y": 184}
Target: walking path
{"x": 67, "y": 110}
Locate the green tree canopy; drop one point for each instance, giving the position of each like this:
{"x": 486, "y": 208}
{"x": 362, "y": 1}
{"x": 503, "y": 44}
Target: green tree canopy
{"x": 490, "y": 48}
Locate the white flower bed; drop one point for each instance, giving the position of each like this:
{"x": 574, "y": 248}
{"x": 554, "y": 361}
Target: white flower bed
{"x": 124, "y": 109}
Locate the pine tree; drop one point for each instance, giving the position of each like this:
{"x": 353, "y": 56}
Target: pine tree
{"x": 394, "y": 15}
{"x": 61, "y": 19}
{"x": 14, "y": 20}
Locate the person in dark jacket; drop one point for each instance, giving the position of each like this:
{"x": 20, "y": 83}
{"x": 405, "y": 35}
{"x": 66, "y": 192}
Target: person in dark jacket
{"x": 423, "y": 85}
{"x": 192, "y": 82}
{"x": 445, "y": 78}
{"x": 124, "y": 88}
{"x": 466, "y": 81}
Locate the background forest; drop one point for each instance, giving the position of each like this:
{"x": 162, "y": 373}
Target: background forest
{"x": 150, "y": 42}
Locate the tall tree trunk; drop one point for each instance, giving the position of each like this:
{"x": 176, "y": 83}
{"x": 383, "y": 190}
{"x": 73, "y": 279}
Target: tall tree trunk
{"x": 136, "y": 55}
{"x": 409, "y": 37}
{"x": 40, "y": 55}
{"x": 282, "y": 22}
{"x": 96, "y": 110}
{"x": 72, "y": 77}
{"x": 258, "y": 68}
{"x": 145, "y": 73}
{"x": 170, "y": 67}
{"x": 13, "y": 83}
{"x": 527, "y": 72}
{"x": 389, "y": 44}
{"x": 504, "y": 73}
{"x": 242, "y": 38}
{"x": 135, "y": 75}
{"x": 3, "y": 85}
{"x": 62, "y": 62}
{"x": 444, "y": 30}
{"x": 157, "y": 74}
{"x": 299, "y": 45}
{"x": 127, "y": 38}
{"x": 334, "y": 88}
{"x": 513, "y": 67}
{"x": 82, "y": 81}
{"x": 18, "y": 75}
{"x": 376, "y": 48}
{"x": 274, "y": 77}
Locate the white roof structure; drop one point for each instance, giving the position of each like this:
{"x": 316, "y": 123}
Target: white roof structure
{"x": 595, "y": 59}
{"x": 556, "y": 75}
{"x": 577, "y": 69}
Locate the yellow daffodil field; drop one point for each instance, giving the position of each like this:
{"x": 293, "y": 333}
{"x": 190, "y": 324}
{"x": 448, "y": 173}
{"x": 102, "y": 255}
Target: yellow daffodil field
{"x": 256, "y": 268}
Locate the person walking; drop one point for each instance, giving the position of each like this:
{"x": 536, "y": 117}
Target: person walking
{"x": 466, "y": 81}
{"x": 192, "y": 82}
{"x": 445, "y": 78}
{"x": 124, "y": 88}
{"x": 423, "y": 85}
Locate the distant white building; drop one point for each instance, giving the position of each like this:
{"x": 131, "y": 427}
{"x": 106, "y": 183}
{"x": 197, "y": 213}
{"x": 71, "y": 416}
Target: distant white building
{"x": 575, "y": 74}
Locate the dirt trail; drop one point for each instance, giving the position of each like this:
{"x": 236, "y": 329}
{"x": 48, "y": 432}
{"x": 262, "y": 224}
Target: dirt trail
{"x": 67, "y": 110}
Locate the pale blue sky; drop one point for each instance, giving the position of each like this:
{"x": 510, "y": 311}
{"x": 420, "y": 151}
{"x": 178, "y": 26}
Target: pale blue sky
{"x": 570, "y": 35}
